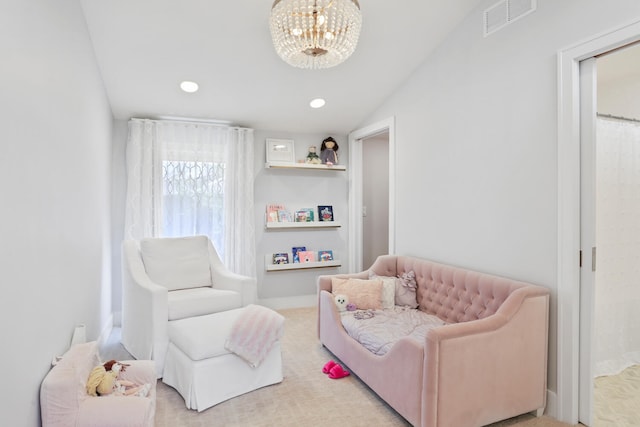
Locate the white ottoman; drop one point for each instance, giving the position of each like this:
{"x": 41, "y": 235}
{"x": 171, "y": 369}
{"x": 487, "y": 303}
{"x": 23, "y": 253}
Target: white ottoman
{"x": 203, "y": 371}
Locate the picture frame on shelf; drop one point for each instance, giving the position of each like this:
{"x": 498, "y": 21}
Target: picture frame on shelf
{"x": 280, "y": 150}
{"x": 281, "y": 258}
{"x": 325, "y": 255}
{"x": 295, "y": 253}
{"x": 307, "y": 256}
{"x": 325, "y": 213}
{"x": 304, "y": 215}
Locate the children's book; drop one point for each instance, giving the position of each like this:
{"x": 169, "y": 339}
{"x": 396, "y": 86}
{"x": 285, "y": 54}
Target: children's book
{"x": 272, "y": 212}
{"x": 307, "y": 256}
{"x": 325, "y": 255}
{"x": 325, "y": 213}
{"x": 281, "y": 258}
{"x": 295, "y": 251}
{"x": 304, "y": 215}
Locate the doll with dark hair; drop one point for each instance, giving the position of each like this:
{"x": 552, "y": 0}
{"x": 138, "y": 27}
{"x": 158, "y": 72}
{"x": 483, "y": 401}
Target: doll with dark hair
{"x": 329, "y": 151}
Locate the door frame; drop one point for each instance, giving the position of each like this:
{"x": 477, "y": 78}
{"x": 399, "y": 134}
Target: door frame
{"x": 356, "y": 192}
{"x": 568, "y": 274}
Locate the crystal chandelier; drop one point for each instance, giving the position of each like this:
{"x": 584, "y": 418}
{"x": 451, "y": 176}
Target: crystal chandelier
{"x": 315, "y": 33}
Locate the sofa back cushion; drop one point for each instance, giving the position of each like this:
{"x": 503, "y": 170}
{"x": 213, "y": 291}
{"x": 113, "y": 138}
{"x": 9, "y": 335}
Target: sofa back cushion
{"x": 456, "y": 294}
{"x": 177, "y": 262}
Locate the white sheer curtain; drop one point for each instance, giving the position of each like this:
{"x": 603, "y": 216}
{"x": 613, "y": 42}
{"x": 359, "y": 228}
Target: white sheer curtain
{"x": 617, "y": 290}
{"x": 192, "y": 178}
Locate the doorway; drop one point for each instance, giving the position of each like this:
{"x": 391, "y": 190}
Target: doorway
{"x": 357, "y": 186}
{"x": 573, "y": 253}
{"x": 375, "y": 197}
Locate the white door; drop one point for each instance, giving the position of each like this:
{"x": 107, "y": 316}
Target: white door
{"x": 588, "y": 248}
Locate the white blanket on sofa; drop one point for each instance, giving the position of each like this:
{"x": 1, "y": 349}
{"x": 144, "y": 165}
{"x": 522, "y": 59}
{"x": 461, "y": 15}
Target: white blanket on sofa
{"x": 254, "y": 332}
{"x": 378, "y": 333}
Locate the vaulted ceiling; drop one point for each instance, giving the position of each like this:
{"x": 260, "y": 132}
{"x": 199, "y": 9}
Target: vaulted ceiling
{"x": 145, "y": 48}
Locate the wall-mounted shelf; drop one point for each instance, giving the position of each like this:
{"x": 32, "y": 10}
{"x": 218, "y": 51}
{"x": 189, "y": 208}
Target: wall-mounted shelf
{"x": 285, "y": 165}
{"x": 310, "y": 224}
{"x": 303, "y": 265}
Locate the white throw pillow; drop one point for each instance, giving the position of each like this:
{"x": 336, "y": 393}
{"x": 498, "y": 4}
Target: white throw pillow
{"x": 388, "y": 290}
{"x": 177, "y": 262}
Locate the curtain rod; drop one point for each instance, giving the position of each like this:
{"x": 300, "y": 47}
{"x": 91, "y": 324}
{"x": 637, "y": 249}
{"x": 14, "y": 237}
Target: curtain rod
{"x": 611, "y": 116}
{"x": 213, "y": 123}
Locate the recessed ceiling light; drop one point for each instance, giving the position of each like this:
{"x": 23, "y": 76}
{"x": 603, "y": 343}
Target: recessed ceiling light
{"x": 317, "y": 103}
{"x": 189, "y": 87}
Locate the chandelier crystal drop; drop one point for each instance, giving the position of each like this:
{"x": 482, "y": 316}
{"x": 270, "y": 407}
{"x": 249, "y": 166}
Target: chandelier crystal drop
{"x": 315, "y": 34}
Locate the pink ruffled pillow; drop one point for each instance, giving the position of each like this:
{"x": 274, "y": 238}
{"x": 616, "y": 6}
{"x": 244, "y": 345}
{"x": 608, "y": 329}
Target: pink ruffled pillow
{"x": 406, "y": 287}
{"x": 365, "y": 294}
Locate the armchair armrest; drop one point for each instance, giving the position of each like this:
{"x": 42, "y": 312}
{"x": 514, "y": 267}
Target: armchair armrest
{"x": 245, "y": 285}
{"x": 144, "y": 307}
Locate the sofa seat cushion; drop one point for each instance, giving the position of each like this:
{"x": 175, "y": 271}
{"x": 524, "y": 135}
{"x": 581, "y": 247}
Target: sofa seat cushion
{"x": 187, "y": 334}
{"x": 185, "y": 303}
{"x": 378, "y": 333}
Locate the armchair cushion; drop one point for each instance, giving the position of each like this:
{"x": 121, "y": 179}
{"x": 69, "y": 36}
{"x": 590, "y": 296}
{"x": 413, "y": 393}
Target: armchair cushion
{"x": 200, "y": 301}
{"x": 189, "y": 266}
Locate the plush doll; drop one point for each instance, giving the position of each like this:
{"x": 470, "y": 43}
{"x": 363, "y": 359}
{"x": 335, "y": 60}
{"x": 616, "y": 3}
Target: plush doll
{"x": 341, "y": 301}
{"x": 312, "y": 157}
{"x": 329, "y": 151}
{"x": 103, "y": 380}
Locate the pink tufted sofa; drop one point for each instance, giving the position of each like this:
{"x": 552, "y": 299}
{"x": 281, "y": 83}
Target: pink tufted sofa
{"x": 488, "y": 364}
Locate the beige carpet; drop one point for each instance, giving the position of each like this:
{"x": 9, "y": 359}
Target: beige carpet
{"x": 306, "y": 397}
{"x": 616, "y": 399}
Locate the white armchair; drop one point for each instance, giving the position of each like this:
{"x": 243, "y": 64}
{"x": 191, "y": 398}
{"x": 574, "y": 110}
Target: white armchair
{"x": 166, "y": 279}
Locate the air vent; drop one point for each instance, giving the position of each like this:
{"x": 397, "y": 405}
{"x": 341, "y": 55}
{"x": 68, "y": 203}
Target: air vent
{"x": 505, "y": 12}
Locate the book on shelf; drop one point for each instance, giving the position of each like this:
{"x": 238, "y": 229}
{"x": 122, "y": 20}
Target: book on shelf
{"x": 325, "y": 256}
{"x": 273, "y": 212}
{"x": 281, "y": 258}
{"x": 325, "y": 213}
{"x": 307, "y": 256}
{"x": 304, "y": 215}
{"x": 284, "y": 216}
{"x": 278, "y": 213}
{"x": 294, "y": 252}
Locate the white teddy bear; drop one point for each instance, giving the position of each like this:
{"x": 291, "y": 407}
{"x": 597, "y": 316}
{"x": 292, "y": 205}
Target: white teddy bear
{"x": 341, "y": 301}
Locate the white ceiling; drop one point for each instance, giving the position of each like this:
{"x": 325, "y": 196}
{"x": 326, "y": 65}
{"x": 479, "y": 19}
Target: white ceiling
{"x": 145, "y": 48}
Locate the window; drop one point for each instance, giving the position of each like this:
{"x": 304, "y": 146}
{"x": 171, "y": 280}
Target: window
{"x": 193, "y": 200}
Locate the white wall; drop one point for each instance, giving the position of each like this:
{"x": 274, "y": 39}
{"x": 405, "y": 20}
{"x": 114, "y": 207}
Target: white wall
{"x": 55, "y": 185}
{"x": 476, "y": 140}
{"x": 296, "y": 189}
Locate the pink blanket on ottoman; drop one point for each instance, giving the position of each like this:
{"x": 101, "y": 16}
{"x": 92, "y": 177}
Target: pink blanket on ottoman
{"x": 254, "y": 332}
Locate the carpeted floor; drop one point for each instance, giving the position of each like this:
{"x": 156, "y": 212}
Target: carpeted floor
{"x": 306, "y": 397}
{"x": 616, "y": 399}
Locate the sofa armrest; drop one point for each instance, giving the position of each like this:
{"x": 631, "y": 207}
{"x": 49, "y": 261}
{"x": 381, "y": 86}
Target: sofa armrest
{"x": 497, "y": 365}
{"x": 139, "y": 372}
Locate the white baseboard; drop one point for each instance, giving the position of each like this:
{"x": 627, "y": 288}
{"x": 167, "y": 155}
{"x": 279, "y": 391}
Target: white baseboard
{"x": 290, "y": 302}
{"x": 552, "y": 405}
